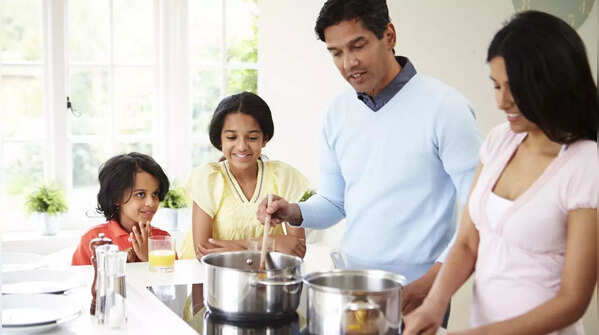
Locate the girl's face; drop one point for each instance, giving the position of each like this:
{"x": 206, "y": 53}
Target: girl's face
{"x": 141, "y": 202}
{"x": 242, "y": 140}
{"x": 505, "y": 100}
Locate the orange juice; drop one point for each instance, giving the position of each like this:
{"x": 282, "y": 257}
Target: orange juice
{"x": 162, "y": 260}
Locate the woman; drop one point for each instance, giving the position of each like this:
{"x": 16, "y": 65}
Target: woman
{"x": 529, "y": 230}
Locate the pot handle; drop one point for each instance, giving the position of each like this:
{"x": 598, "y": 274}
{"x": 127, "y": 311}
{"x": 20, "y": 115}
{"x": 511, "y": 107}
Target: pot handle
{"x": 267, "y": 282}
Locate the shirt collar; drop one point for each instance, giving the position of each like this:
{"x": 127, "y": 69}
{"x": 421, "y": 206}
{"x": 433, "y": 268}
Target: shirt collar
{"x": 115, "y": 229}
{"x": 401, "y": 79}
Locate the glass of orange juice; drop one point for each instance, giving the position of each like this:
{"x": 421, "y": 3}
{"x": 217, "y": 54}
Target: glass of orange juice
{"x": 161, "y": 253}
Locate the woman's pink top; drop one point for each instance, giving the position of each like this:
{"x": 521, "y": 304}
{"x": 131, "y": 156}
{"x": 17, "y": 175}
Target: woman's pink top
{"x": 521, "y": 258}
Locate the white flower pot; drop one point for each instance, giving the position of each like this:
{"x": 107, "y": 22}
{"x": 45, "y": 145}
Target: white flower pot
{"x": 167, "y": 219}
{"x": 48, "y": 224}
{"x": 184, "y": 219}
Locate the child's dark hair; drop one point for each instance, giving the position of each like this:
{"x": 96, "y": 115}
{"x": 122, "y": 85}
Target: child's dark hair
{"x": 549, "y": 74}
{"x": 118, "y": 174}
{"x": 374, "y": 15}
{"x": 246, "y": 103}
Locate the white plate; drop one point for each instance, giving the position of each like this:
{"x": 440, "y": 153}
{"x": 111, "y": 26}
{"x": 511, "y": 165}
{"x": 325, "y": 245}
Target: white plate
{"x": 39, "y": 281}
{"x": 18, "y": 261}
{"x": 37, "y": 312}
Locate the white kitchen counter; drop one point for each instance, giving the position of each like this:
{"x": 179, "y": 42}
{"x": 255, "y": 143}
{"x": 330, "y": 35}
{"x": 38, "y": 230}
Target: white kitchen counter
{"x": 146, "y": 314}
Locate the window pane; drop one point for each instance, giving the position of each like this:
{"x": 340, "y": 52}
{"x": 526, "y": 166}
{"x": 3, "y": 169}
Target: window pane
{"x": 242, "y": 31}
{"x": 87, "y": 158}
{"x": 21, "y": 96}
{"x": 202, "y": 154}
{"x": 86, "y": 162}
{"x": 205, "y": 27}
{"x": 21, "y": 37}
{"x": 89, "y": 31}
{"x": 133, "y": 90}
{"x": 205, "y": 97}
{"x": 89, "y": 97}
{"x": 23, "y": 167}
{"x": 144, "y": 148}
{"x": 242, "y": 80}
{"x": 133, "y": 32}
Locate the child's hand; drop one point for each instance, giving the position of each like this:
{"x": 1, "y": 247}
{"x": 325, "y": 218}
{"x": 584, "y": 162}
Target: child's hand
{"x": 139, "y": 239}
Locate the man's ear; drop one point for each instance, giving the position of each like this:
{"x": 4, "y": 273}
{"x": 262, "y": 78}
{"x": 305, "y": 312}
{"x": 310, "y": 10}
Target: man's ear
{"x": 390, "y": 36}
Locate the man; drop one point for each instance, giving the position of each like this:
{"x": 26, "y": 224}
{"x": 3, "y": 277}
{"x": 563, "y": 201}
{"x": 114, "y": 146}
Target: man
{"x": 394, "y": 158}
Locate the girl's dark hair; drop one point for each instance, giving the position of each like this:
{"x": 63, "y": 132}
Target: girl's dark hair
{"x": 549, "y": 75}
{"x": 374, "y": 14}
{"x": 246, "y": 103}
{"x": 118, "y": 175}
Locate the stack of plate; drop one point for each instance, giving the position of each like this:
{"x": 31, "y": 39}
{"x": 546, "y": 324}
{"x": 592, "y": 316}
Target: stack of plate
{"x": 37, "y": 312}
{"x": 36, "y": 300}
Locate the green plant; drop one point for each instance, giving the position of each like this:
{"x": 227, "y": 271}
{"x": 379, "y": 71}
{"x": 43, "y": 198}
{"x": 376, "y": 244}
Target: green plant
{"x": 46, "y": 198}
{"x": 175, "y": 198}
{"x": 307, "y": 195}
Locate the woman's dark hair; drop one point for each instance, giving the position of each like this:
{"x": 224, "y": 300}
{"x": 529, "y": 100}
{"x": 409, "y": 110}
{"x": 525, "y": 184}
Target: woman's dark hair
{"x": 374, "y": 14}
{"x": 118, "y": 175}
{"x": 246, "y": 103}
{"x": 549, "y": 75}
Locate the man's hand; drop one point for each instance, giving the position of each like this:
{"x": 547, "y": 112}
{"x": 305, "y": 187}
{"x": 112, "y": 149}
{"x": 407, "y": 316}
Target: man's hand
{"x": 413, "y": 294}
{"x": 280, "y": 211}
{"x": 139, "y": 238}
{"x": 289, "y": 244}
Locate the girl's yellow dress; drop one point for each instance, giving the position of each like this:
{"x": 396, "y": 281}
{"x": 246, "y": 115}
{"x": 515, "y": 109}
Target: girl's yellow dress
{"x": 214, "y": 189}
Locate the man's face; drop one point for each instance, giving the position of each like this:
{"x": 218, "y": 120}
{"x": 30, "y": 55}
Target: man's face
{"x": 362, "y": 59}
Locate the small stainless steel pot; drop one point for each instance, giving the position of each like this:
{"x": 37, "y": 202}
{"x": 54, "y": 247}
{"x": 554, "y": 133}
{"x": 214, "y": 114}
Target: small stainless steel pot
{"x": 354, "y": 302}
{"x": 236, "y": 288}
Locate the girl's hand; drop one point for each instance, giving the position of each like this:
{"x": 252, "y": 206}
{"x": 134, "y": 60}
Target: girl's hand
{"x": 289, "y": 244}
{"x": 213, "y": 246}
{"x": 424, "y": 320}
{"x": 139, "y": 239}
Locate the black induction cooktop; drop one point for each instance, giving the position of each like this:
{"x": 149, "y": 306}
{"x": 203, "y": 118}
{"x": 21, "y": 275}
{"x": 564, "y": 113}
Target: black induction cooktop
{"x": 187, "y": 302}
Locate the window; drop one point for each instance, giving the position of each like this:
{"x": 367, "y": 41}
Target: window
{"x": 137, "y": 72}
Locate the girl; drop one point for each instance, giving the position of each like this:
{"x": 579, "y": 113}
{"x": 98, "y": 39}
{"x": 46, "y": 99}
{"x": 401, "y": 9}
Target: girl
{"x": 226, "y": 194}
{"x": 529, "y": 230}
{"x": 131, "y": 188}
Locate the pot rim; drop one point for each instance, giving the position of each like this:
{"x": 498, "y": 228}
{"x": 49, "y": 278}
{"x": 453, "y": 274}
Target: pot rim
{"x": 298, "y": 260}
{"x": 401, "y": 280}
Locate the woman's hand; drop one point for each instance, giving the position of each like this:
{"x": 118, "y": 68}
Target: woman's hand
{"x": 424, "y": 320}
{"x": 289, "y": 244}
{"x": 212, "y": 246}
{"x": 139, "y": 239}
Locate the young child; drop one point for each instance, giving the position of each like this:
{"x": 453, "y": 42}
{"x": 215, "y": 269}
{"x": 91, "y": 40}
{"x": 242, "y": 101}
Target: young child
{"x": 131, "y": 188}
{"x": 226, "y": 194}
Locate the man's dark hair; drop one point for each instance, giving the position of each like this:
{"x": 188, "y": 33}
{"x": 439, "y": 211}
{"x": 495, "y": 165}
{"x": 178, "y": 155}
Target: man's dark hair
{"x": 246, "y": 103}
{"x": 118, "y": 175}
{"x": 374, "y": 15}
{"x": 549, "y": 75}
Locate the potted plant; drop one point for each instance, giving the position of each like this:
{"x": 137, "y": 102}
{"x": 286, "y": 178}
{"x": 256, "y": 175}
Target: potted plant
{"x": 45, "y": 205}
{"x": 172, "y": 207}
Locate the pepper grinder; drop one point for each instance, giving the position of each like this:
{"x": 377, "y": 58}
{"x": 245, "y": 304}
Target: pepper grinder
{"x": 100, "y": 240}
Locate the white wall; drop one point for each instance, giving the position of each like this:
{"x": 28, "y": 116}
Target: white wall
{"x": 446, "y": 39}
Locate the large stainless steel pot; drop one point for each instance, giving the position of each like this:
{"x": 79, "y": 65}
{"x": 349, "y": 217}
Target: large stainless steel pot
{"x": 354, "y": 302}
{"x": 235, "y": 286}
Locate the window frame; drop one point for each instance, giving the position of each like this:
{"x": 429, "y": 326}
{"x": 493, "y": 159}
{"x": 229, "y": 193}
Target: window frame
{"x": 171, "y": 134}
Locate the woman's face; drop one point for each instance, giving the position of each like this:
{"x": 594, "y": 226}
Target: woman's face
{"x": 140, "y": 203}
{"x": 504, "y": 98}
{"x": 242, "y": 141}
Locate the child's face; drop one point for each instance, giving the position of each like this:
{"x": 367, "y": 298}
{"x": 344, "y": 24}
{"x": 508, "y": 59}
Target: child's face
{"x": 242, "y": 140}
{"x": 141, "y": 202}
